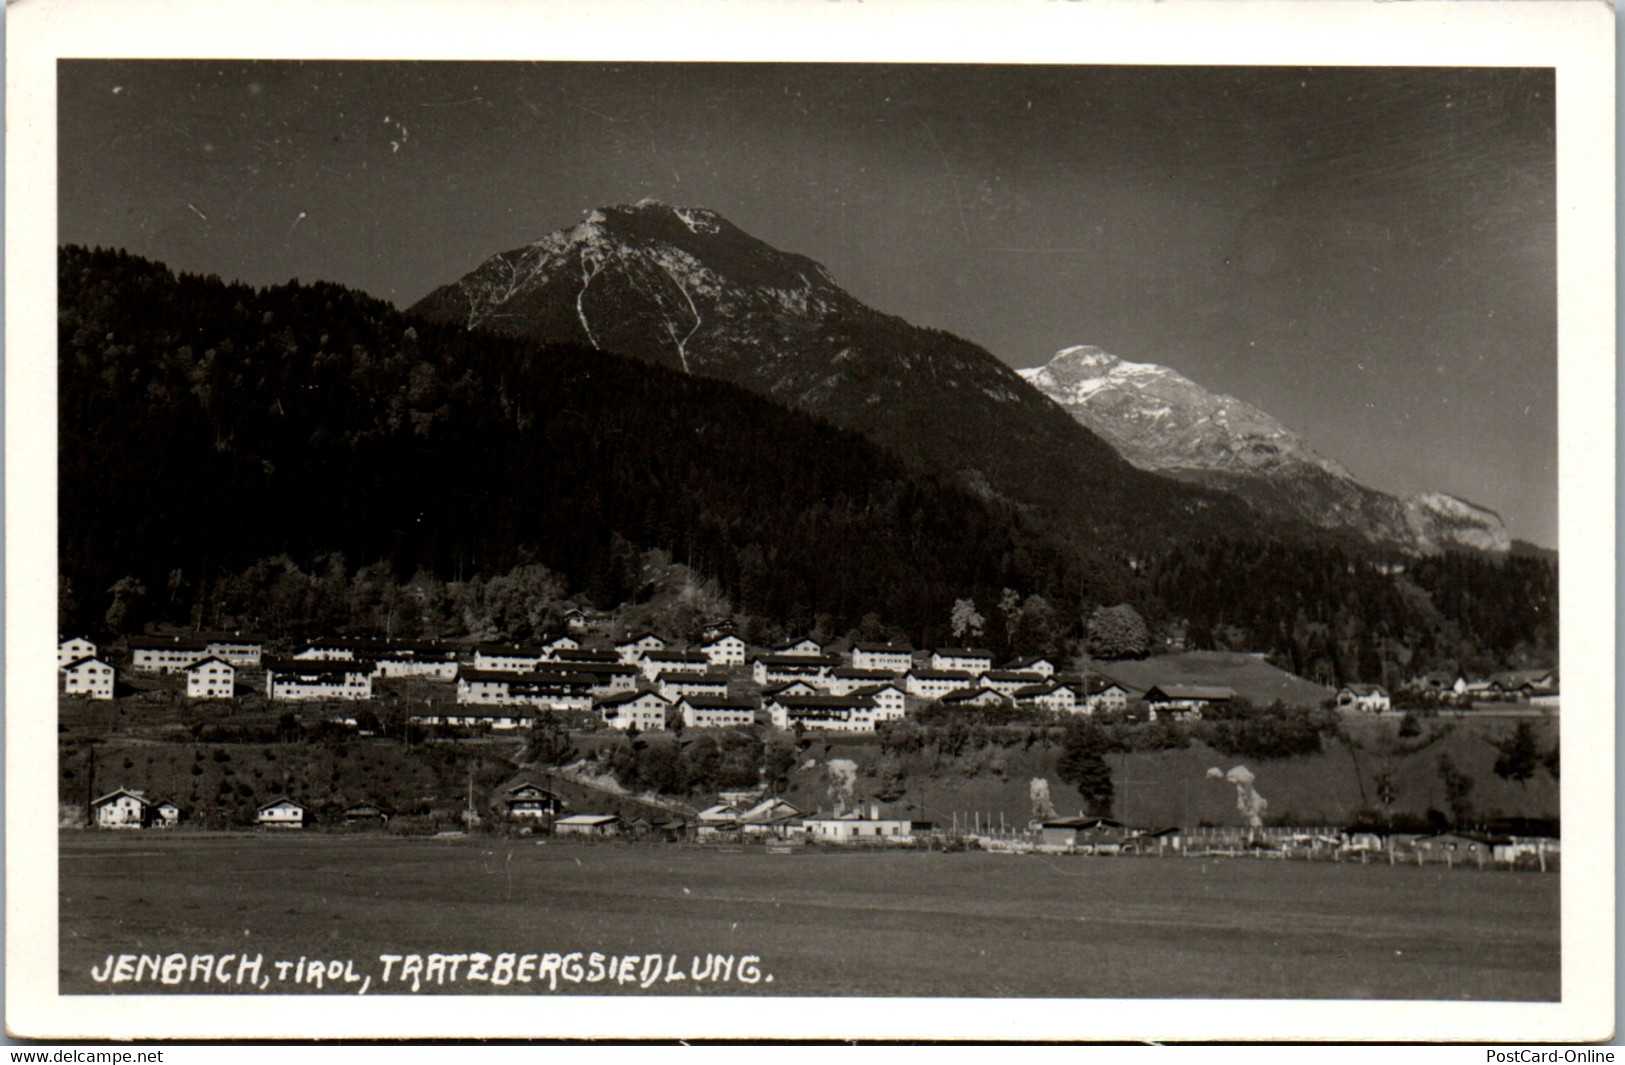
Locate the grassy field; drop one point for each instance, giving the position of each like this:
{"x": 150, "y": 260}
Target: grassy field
{"x": 821, "y": 922}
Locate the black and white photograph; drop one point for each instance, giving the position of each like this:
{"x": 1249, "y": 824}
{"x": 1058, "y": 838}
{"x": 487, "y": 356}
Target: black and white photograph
{"x": 805, "y": 529}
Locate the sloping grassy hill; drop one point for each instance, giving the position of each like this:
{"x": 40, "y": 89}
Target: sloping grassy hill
{"x": 1171, "y": 787}
{"x": 1250, "y": 676}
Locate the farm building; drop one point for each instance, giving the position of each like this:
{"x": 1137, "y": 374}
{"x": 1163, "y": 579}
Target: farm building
{"x": 802, "y": 648}
{"x": 531, "y": 800}
{"x": 1085, "y": 833}
{"x": 210, "y": 678}
{"x": 1369, "y": 698}
{"x": 124, "y": 808}
{"x": 90, "y": 677}
{"x": 508, "y": 656}
{"x": 589, "y": 825}
{"x": 1179, "y": 702}
{"x": 604, "y": 678}
{"x": 281, "y": 813}
{"x": 855, "y": 828}
{"x": 782, "y": 669}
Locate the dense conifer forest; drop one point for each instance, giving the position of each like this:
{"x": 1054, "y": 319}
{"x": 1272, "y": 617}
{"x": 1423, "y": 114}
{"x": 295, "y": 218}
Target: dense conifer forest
{"x": 305, "y": 459}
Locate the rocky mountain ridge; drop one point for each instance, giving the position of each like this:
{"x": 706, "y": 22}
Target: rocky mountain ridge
{"x": 1160, "y": 420}
{"x": 684, "y": 287}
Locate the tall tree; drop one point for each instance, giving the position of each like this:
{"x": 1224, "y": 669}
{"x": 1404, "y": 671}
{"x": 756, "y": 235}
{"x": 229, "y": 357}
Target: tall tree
{"x": 1082, "y": 764}
{"x": 1519, "y": 754}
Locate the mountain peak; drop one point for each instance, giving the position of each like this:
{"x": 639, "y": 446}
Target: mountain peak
{"x": 1160, "y": 420}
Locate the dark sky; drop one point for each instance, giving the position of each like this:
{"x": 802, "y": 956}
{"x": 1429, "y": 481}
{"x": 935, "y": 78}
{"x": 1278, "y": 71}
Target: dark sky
{"x": 1366, "y": 253}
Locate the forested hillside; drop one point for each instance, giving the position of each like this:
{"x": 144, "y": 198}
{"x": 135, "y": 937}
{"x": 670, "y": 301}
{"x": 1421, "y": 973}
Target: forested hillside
{"x": 207, "y": 427}
{"x": 304, "y": 459}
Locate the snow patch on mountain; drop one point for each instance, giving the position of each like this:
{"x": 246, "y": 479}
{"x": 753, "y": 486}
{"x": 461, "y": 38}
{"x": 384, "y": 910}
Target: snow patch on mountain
{"x": 1160, "y": 420}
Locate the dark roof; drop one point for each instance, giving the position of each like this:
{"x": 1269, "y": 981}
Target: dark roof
{"x": 824, "y": 702}
{"x": 691, "y": 678}
{"x": 77, "y": 662}
{"x": 884, "y": 648}
{"x": 627, "y": 697}
{"x": 510, "y": 650}
{"x": 677, "y": 656}
{"x": 645, "y": 635}
{"x": 969, "y": 695}
{"x": 799, "y": 660}
{"x": 872, "y": 690}
{"x": 1026, "y": 660}
{"x": 532, "y": 678}
{"x": 1209, "y": 692}
{"x": 206, "y": 661}
{"x": 774, "y": 689}
{"x": 167, "y": 643}
{"x": 717, "y": 702}
{"x": 941, "y": 674}
{"x": 278, "y": 802}
{"x": 864, "y": 674}
{"x": 963, "y": 652}
{"x": 1006, "y": 674}
{"x": 582, "y": 654}
{"x": 306, "y": 667}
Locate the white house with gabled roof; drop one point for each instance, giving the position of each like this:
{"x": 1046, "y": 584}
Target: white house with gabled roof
{"x": 644, "y": 711}
{"x": 726, "y": 650}
{"x": 124, "y": 808}
{"x": 633, "y": 648}
{"x": 90, "y": 677}
{"x": 72, "y": 650}
{"x": 211, "y": 678}
{"x": 890, "y": 700}
{"x": 280, "y": 813}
